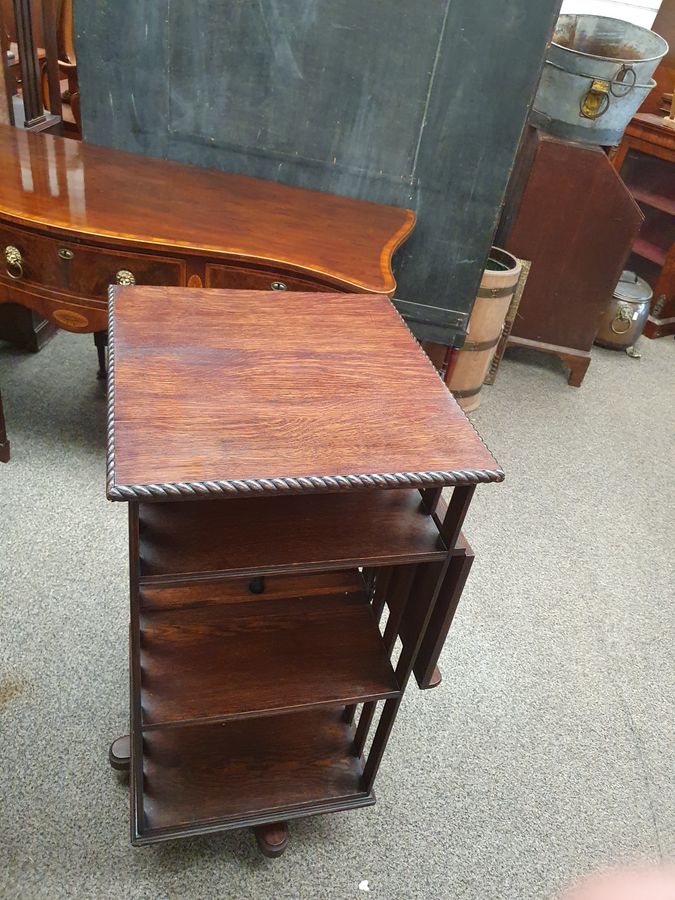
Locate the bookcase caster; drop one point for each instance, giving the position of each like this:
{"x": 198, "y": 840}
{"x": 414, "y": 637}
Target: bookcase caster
{"x": 272, "y": 839}
{"x": 119, "y": 754}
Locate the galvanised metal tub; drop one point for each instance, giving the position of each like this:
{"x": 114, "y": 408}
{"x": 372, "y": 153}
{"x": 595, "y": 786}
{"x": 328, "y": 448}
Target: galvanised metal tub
{"x": 597, "y": 73}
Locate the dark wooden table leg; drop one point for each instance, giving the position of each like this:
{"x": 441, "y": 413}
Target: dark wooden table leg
{"x": 272, "y": 839}
{"x": 101, "y": 341}
{"x": 119, "y": 755}
{"x": 4, "y": 443}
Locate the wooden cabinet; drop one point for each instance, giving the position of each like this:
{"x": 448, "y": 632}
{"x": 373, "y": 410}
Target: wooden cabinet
{"x": 264, "y": 681}
{"x": 646, "y": 161}
{"x": 569, "y": 214}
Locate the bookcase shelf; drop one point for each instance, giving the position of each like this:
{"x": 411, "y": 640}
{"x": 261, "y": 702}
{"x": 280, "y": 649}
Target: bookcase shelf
{"x": 278, "y": 655}
{"x": 203, "y": 538}
{"x": 213, "y": 777}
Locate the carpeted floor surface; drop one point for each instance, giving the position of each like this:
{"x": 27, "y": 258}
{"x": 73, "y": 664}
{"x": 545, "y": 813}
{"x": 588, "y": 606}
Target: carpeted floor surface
{"x": 546, "y": 752}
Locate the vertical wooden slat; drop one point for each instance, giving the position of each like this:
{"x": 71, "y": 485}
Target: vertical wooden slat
{"x": 382, "y": 583}
{"x": 6, "y": 79}
{"x": 451, "y": 526}
{"x": 30, "y": 70}
{"x": 436, "y": 571}
{"x": 441, "y": 619}
{"x": 136, "y": 793}
{"x": 398, "y": 596}
{"x": 379, "y": 580}
{"x": 50, "y": 25}
{"x": 430, "y": 498}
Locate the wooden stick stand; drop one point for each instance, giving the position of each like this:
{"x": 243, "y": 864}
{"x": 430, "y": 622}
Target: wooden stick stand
{"x": 255, "y": 685}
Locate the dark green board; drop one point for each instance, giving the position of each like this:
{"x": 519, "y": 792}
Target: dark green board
{"x": 416, "y": 104}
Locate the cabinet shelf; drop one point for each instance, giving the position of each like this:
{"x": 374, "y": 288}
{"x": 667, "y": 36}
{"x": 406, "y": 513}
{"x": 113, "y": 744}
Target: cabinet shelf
{"x": 647, "y": 250}
{"x": 652, "y": 198}
{"x": 212, "y": 777}
{"x": 204, "y": 539}
{"x": 261, "y": 657}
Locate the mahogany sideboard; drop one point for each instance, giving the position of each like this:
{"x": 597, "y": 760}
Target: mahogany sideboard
{"x": 75, "y": 218}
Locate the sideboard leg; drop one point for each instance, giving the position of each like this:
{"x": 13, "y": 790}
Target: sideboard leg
{"x": 436, "y": 678}
{"x": 101, "y": 341}
{"x": 272, "y": 839}
{"x": 4, "y": 442}
{"x": 119, "y": 755}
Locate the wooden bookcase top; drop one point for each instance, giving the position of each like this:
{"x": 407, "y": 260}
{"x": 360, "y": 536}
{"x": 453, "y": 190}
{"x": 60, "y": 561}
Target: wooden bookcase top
{"x": 241, "y": 393}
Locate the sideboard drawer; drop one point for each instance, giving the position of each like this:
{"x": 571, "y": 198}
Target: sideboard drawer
{"x": 79, "y": 269}
{"x": 249, "y": 279}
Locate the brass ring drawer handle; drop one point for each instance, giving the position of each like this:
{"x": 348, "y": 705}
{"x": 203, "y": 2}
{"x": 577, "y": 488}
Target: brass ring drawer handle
{"x": 125, "y": 277}
{"x": 14, "y": 262}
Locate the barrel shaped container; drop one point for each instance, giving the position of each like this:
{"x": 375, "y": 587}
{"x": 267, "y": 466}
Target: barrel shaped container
{"x": 471, "y": 363}
{"x": 597, "y": 72}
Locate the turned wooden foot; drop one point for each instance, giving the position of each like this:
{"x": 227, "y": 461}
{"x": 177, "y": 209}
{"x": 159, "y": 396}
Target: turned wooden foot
{"x": 119, "y": 755}
{"x": 272, "y": 839}
{"x": 435, "y": 679}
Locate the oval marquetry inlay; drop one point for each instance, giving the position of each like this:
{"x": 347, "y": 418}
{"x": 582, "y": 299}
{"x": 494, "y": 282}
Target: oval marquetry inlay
{"x": 70, "y": 319}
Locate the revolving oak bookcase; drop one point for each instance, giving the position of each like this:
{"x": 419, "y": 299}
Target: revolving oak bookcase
{"x": 272, "y": 520}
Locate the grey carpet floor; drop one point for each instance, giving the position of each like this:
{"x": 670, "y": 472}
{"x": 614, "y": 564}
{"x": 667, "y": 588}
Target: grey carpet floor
{"x": 546, "y": 752}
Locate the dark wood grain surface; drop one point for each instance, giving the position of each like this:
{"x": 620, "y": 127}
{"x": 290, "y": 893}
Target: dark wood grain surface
{"x": 238, "y": 386}
{"x": 199, "y": 777}
{"x": 286, "y": 532}
{"x": 265, "y": 656}
{"x": 571, "y": 193}
{"x": 83, "y": 191}
{"x": 238, "y": 590}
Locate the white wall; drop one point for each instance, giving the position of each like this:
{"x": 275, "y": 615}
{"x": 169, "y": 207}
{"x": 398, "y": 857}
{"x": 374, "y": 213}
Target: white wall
{"x": 641, "y": 12}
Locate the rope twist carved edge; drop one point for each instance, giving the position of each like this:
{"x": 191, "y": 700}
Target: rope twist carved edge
{"x": 110, "y": 457}
{"x": 300, "y": 485}
{"x": 194, "y": 489}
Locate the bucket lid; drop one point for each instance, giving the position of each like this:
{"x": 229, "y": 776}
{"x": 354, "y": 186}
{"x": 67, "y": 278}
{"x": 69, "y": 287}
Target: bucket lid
{"x": 632, "y": 288}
